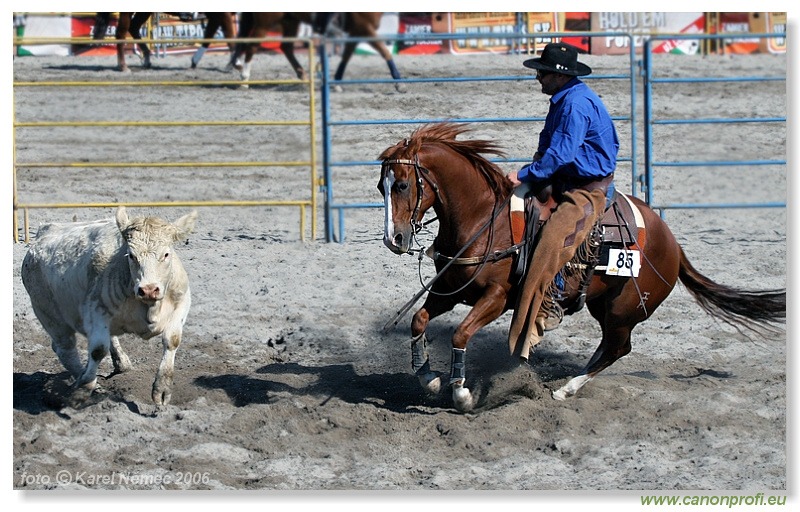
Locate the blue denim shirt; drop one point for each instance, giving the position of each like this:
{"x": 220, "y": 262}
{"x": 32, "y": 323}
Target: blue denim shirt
{"x": 578, "y": 140}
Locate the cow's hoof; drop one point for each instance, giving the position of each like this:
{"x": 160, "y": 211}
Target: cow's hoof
{"x": 161, "y": 396}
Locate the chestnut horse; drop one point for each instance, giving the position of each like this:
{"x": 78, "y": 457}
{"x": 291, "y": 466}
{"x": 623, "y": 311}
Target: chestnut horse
{"x": 132, "y": 22}
{"x": 356, "y": 24}
{"x": 474, "y": 252}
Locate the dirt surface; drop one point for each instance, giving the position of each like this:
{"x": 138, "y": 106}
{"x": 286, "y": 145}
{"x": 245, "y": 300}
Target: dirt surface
{"x": 285, "y": 380}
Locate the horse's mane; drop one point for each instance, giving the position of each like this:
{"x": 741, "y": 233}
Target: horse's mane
{"x": 473, "y": 150}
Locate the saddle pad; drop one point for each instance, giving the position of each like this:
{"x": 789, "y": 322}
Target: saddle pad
{"x": 622, "y": 221}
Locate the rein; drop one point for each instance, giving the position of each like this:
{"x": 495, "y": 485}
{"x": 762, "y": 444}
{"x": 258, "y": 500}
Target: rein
{"x": 421, "y": 174}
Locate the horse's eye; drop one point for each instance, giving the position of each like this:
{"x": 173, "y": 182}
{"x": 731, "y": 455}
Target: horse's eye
{"x": 402, "y": 186}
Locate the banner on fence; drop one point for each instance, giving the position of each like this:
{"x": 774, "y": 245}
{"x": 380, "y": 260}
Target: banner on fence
{"x": 747, "y": 23}
{"x": 490, "y": 30}
{"x": 641, "y": 25}
{"x": 43, "y": 26}
{"x": 776, "y": 23}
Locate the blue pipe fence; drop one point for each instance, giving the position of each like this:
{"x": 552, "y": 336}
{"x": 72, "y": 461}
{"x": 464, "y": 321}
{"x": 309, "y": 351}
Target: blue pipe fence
{"x": 653, "y": 120}
{"x": 332, "y": 118}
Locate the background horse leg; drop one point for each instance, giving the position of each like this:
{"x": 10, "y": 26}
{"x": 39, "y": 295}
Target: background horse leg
{"x": 349, "y": 49}
{"x": 260, "y": 23}
{"x": 366, "y": 24}
{"x": 123, "y": 27}
{"x": 290, "y": 27}
{"x": 215, "y": 21}
{"x": 136, "y": 24}
{"x": 381, "y": 48}
{"x": 246, "y": 23}
{"x": 101, "y": 21}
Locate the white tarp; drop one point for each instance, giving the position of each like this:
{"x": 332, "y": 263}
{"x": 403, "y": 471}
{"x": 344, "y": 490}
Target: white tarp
{"x": 47, "y": 26}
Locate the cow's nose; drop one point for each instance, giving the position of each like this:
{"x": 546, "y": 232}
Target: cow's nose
{"x": 149, "y": 292}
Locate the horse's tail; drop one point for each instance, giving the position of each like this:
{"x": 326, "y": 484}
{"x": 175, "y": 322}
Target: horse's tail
{"x": 734, "y": 306}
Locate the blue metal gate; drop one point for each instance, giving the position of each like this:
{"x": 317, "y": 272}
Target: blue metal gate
{"x": 654, "y": 74}
{"x": 332, "y": 120}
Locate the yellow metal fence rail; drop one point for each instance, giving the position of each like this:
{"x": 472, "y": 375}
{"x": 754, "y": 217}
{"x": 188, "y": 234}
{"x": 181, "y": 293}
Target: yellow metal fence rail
{"x": 311, "y": 163}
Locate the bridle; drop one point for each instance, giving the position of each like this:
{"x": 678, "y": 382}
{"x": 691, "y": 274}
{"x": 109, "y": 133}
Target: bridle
{"x": 421, "y": 176}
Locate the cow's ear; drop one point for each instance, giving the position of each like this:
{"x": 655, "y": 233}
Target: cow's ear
{"x": 122, "y": 218}
{"x": 185, "y": 225}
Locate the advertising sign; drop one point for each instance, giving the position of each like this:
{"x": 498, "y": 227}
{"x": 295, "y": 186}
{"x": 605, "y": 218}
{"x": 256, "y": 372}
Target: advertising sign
{"x": 487, "y": 27}
{"x": 776, "y": 23}
{"x": 641, "y": 25}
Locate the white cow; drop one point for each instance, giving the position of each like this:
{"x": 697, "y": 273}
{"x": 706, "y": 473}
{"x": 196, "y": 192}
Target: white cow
{"x": 107, "y": 278}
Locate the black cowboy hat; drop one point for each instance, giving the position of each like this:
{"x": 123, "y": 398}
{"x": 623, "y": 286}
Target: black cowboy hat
{"x": 559, "y": 58}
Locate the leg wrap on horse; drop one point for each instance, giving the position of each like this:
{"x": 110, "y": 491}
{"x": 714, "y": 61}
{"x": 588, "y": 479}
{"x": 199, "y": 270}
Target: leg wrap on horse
{"x": 340, "y": 71}
{"x": 419, "y": 354}
{"x": 561, "y": 236}
{"x": 198, "y": 55}
{"x": 393, "y": 69}
{"x": 458, "y": 366}
{"x": 420, "y": 364}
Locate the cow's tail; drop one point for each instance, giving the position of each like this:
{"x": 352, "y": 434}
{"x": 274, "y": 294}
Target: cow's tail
{"x": 757, "y": 311}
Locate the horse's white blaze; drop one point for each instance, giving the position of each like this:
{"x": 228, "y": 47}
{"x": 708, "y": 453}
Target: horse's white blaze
{"x": 571, "y": 387}
{"x": 388, "y": 227}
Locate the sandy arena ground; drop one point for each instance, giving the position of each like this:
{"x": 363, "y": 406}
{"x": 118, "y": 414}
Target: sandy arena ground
{"x": 285, "y": 381}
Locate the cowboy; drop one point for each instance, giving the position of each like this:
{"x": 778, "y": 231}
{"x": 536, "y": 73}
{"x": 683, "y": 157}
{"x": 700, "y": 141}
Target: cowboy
{"x": 577, "y": 155}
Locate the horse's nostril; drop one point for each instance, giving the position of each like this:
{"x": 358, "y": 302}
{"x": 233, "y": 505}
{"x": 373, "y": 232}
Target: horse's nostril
{"x": 398, "y": 239}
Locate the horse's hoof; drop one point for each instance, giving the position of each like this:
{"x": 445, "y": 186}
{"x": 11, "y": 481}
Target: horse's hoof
{"x": 560, "y": 395}
{"x": 337, "y": 88}
{"x": 244, "y": 87}
{"x": 401, "y": 88}
{"x": 431, "y": 382}
{"x": 462, "y": 399}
